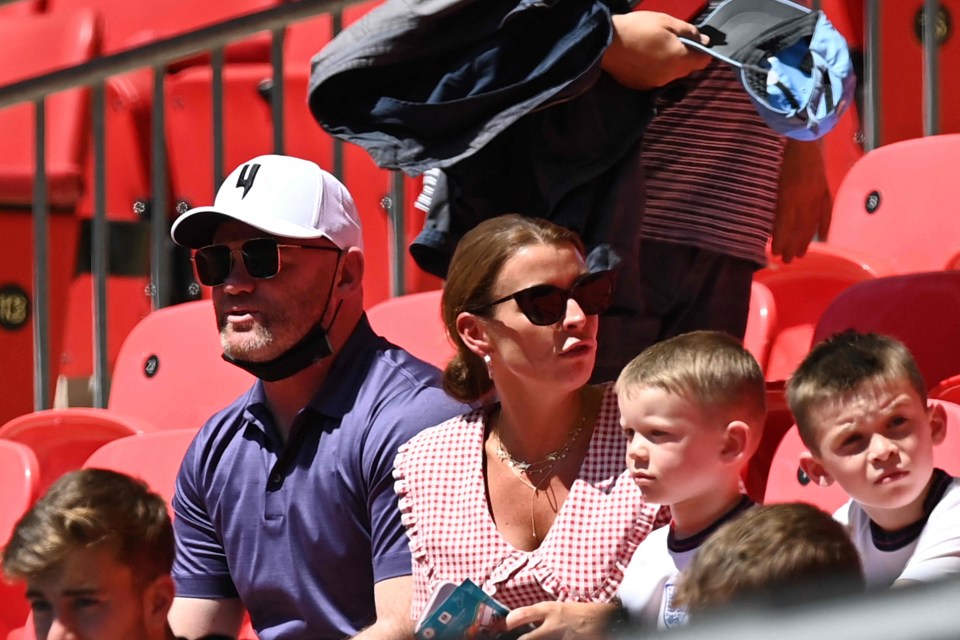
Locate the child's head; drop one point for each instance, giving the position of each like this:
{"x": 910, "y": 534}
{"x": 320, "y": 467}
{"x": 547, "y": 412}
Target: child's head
{"x": 861, "y": 409}
{"x": 96, "y": 552}
{"x": 780, "y": 554}
{"x": 693, "y": 409}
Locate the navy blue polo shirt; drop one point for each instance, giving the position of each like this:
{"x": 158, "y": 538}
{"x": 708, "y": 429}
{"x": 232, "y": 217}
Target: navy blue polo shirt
{"x": 301, "y": 533}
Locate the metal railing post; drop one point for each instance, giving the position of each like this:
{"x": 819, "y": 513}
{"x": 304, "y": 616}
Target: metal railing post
{"x": 41, "y": 264}
{"x": 931, "y": 68}
{"x": 871, "y": 71}
{"x": 160, "y": 241}
{"x": 276, "y": 90}
{"x": 100, "y": 248}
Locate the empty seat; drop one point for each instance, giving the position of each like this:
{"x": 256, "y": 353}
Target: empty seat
{"x": 413, "y": 322}
{"x": 761, "y": 323}
{"x": 170, "y": 372}
{"x": 62, "y": 439}
{"x": 802, "y": 289}
{"x": 19, "y": 483}
{"x": 152, "y": 457}
{"x": 897, "y": 202}
{"x": 37, "y": 44}
{"x": 948, "y": 389}
{"x": 922, "y": 310}
{"x": 786, "y": 482}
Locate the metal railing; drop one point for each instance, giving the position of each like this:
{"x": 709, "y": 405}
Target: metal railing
{"x": 158, "y": 54}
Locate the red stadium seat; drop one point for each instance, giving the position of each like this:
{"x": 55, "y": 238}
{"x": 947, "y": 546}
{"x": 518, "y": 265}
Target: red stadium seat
{"x": 901, "y": 65}
{"x": 786, "y": 482}
{"x": 153, "y": 457}
{"x": 761, "y": 323}
{"x": 895, "y": 202}
{"x": 62, "y": 439}
{"x": 413, "y": 322}
{"x": 21, "y": 8}
{"x": 802, "y": 289}
{"x": 922, "y": 310}
{"x": 38, "y": 44}
{"x": 19, "y": 485}
{"x": 948, "y": 389}
{"x": 169, "y": 370}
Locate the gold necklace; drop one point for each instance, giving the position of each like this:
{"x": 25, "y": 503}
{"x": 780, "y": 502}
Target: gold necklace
{"x": 543, "y": 467}
{"x": 548, "y": 462}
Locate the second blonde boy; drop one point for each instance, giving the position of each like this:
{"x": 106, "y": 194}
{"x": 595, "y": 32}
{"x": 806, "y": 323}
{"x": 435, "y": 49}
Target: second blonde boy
{"x": 692, "y": 409}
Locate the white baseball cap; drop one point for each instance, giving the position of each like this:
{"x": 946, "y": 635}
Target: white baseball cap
{"x": 281, "y": 195}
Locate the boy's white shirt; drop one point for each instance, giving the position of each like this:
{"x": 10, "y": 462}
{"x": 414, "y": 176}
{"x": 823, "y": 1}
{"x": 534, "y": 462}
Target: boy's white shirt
{"x": 649, "y": 582}
{"x": 935, "y": 553}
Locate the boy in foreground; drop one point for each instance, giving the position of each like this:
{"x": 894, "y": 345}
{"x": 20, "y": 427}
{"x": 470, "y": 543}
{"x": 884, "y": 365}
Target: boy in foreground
{"x": 692, "y": 408}
{"x": 862, "y": 411}
{"x": 96, "y": 553}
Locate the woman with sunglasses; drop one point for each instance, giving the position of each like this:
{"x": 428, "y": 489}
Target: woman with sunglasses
{"x": 527, "y": 496}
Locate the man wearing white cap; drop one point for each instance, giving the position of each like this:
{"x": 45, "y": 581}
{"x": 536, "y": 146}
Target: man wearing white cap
{"x": 284, "y": 503}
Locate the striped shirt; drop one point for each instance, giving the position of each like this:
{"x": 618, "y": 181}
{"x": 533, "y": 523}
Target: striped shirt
{"x": 712, "y": 169}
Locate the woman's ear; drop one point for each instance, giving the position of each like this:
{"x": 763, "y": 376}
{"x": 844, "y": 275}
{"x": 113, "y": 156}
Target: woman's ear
{"x": 815, "y": 469}
{"x": 736, "y": 438}
{"x": 472, "y": 331}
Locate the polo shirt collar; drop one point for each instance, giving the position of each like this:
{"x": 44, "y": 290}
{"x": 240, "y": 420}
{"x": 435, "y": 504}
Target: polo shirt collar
{"x": 339, "y": 391}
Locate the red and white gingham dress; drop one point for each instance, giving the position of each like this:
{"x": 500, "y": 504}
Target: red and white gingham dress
{"x": 439, "y": 479}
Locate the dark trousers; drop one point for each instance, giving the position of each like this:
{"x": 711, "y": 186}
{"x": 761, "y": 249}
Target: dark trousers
{"x": 682, "y": 289}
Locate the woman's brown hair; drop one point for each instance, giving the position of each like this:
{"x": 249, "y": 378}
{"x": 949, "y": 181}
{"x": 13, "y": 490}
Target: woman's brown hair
{"x": 472, "y": 275}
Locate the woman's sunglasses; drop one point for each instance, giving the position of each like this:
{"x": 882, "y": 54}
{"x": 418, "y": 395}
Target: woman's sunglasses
{"x": 545, "y": 304}
{"x": 261, "y": 259}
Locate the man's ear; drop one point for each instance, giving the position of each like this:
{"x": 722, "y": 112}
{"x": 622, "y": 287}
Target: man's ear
{"x": 938, "y": 422}
{"x": 351, "y": 269}
{"x": 736, "y": 439}
{"x": 472, "y": 331}
{"x": 815, "y": 469}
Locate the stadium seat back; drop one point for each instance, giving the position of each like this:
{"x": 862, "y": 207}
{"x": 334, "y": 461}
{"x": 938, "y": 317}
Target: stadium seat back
{"x": 44, "y": 43}
{"x": 152, "y": 457}
{"x": 922, "y": 310}
{"x": 413, "y": 322}
{"x": 170, "y": 372}
{"x": 802, "y": 289}
{"x": 19, "y": 483}
{"x": 896, "y": 202}
{"x": 948, "y": 389}
{"x": 761, "y": 322}
{"x": 62, "y": 439}
{"x": 19, "y": 486}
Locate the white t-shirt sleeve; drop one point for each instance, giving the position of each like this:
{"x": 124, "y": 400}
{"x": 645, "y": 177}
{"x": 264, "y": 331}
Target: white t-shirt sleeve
{"x": 937, "y": 554}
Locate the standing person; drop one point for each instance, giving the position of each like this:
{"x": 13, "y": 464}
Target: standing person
{"x": 862, "y": 411}
{"x": 711, "y": 206}
{"x": 284, "y": 502}
{"x": 527, "y": 496}
{"x": 692, "y": 408}
{"x": 96, "y": 552}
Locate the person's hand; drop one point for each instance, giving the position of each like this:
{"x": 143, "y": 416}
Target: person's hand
{"x": 646, "y": 51}
{"x": 567, "y": 620}
{"x": 804, "y": 203}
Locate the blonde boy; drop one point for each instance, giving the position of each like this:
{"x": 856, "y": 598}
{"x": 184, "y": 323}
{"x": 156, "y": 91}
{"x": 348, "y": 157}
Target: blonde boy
{"x": 861, "y": 408}
{"x": 95, "y": 553}
{"x": 692, "y": 409}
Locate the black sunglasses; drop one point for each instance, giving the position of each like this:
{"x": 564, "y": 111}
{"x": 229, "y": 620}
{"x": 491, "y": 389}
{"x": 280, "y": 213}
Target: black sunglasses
{"x": 261, "y": 259}
{"x": 545, "y": 304}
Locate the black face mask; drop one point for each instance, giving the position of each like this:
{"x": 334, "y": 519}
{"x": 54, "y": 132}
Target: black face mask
{"x": 313, "y": 347}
